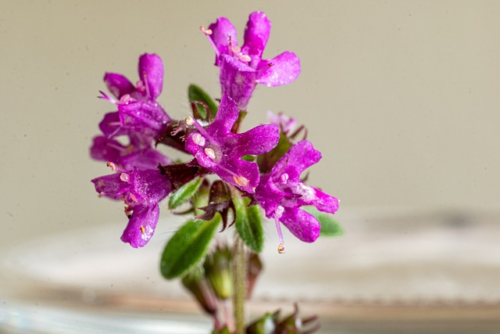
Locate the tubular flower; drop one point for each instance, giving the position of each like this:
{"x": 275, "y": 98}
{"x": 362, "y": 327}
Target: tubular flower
{"x": 141, "y": 191}
{"x": 219, "y": 150}
{"x": 138, "y": 110}
{"x": 241, "y": 68}
{"x": 281, "y": 193}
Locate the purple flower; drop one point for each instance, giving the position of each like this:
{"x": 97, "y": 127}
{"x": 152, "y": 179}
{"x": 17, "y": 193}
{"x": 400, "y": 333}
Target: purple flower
{"x": 286, "y": 124}
{"x": 281, "y": 193}
{"x": 141, "y": 191}
{"x": 219, "y": 150}
{"x": 241, "y": 68}
{"x": 138, "y": 110}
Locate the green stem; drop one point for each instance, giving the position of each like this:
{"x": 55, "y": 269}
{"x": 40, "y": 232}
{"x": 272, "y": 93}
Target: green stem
{"x": 240, "y": 278}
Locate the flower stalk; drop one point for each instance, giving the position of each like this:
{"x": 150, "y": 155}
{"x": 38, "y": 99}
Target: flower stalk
{"x": 240, "y": 285}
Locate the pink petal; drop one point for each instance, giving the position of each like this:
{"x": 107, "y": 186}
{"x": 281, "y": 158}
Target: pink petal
{"x": 280, "y": 70}
{"x": 151, "y": 73}
{"x": 141, "y": 226}
{"x": 222, "y": 31}
{"x": 118, "y": 85}
{"x": 257, "y": 34}
{"x": 303, "y": 225}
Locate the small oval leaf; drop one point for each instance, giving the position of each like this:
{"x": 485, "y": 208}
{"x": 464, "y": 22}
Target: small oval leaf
{"x": 196, "y": 93}
{"x": 184, "y": 193}
{"x": 187, "y": 247}
{"x": 329, "y": 227}
{"x": 248, "y": 221}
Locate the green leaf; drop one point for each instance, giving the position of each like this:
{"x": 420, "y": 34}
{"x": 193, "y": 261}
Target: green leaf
{"x": 187, "y": 247}
{"x": 248, "y": 221}
{"x": 184, "y": 193}
{"x": 329, "y": 227}
{"x": 248, "y": 157}
{"x": 196, "y": 93}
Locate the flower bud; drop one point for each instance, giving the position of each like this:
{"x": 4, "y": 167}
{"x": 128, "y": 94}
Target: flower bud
{"x": 219, "y": 273}
{"x": 263, "y": 325}
{"x": 198, "y": 285}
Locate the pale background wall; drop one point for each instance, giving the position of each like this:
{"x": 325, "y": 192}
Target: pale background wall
{"x": 400, "y": 96}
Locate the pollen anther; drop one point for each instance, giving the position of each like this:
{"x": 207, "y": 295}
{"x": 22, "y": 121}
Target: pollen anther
{"x": 281, "y": 248}
{"x": 199, "y": 139}
{"x": 143, "y": 230}
{"x": 241, "y": 181}
{"x": 210, "y": 153}
{"x": 189, "y": 120}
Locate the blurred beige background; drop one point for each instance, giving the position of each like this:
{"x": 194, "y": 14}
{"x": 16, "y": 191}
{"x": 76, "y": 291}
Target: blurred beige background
{"x": 400, "y": 96}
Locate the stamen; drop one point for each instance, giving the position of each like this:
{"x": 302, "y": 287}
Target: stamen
{"x": 245, "y": 58}
{"x": 133, "y": 198}
{"x": 199, "y": 139}
{"x": 125, "y": 99}
{"x": 241, "y": 181}
{"x": 236, "y": 49}
{"x": 143, "y": 230}
{"x": 207, "y": 32}
{"x": 189, "y": 120}
{"x": 145, "y": 83}
{"x": 112, "y": 166}
{"x": 125, "y": 177}
{"x": 277, "y": 215}
{"x": 284, "y": 178}
{"x": 210, "y": 153}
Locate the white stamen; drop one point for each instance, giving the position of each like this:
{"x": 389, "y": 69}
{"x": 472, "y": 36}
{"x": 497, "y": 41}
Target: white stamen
{"x": 241, "y": 181}
{"x": 236, "y": 49}
{"x": 210, "y": 153}
{"x": 245, "y": 58}
{"x": 199, "y": 139}
{"x": 112, "y": 166}
{"x": 277, "y": 215}
{"x": 207, "y": 32}
{"x": 124, "y": 177}
{"x": 189, "y": 120}
{"x": 284, "y": 178}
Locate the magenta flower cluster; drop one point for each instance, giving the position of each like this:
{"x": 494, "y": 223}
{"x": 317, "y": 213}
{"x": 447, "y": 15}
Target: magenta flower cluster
{"x": 131, "y": 133}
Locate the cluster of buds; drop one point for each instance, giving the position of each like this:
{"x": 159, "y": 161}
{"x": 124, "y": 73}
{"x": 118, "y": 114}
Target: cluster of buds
{"x": 212, "y": 283}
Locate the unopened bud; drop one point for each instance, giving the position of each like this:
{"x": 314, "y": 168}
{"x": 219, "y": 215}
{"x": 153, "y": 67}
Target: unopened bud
{"x": 218, "y": 270}
{"x": 198, "y": 285}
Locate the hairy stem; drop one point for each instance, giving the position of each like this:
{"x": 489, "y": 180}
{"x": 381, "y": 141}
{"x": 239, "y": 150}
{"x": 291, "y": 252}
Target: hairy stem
{"x": 239, "y": 275}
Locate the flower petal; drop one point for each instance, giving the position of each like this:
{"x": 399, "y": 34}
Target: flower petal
{"x": 105, "y": 149}
{"x": 141, "y": 225}
{"x": 225, "y": 118}
{"x": 268, "y": 195}
{"x": 232, "y": 170}
{"x": 151, "y": 73}
{"x": 148, "y": 158}
{"x": 222, "y": 31}
{"x": 303, "y": 225}
{"x": 149, "y": 186}
{"x": 118, "y": 84}
{"x": 109, "y": 185}
{"x": 299, "y": 157}
{"x": 258, "y": 140}
{"x": 256, "y": 36}
{"x": 237, "y": 80}
{"x": 145, "y": 117}
{"x": 111, "y": 126}
{"x": 322, "y": 201}
{"x": 280, "y": 70}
